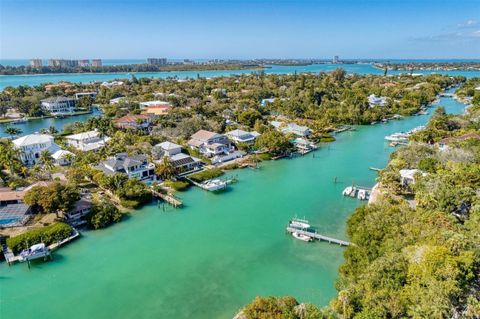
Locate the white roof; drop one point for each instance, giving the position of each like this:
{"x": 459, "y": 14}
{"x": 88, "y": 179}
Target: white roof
{"x": 83, "y": 136}
{"x": 410, "y": 173}
{"x": 33, "y": 139}
{"x": 61, "y": 154}
{"x": 169, "y": 146}
{"x": 275, "y": 124}
{"x": 153, "y": 103}
{"x": 239, "y": 133}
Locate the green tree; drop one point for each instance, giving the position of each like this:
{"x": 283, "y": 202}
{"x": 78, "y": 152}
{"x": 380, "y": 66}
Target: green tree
{"x": 274, "y": 142}
{"x": 165, "y": 170}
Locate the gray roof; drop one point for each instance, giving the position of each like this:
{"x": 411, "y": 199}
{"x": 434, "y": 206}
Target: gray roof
{"x": 120, "y": 162}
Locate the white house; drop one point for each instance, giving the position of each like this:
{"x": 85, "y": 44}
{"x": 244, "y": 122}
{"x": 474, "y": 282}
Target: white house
{"x": 117, "y": 100}
{"x": 87, "y": 141}
{"x": 79, "y": 95}
{"x": 374, "y": 100}
{"x": 31, "y": 146}
{"x": 241, "y": 136}
{"x": 169, "y": 148}
{"x": 62, "y": 158}
{"x": 76, "y": 217}
{"x": 59, "y": 105}
{"x": 137, "y": 166}
{"x": 407, "y": 176}
{"x": 210, "y": 143}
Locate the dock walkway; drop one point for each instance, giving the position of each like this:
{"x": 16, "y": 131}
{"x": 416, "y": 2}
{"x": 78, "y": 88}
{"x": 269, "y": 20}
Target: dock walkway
{"x": 172, "y": 200}
{"x": 318, "y": 236}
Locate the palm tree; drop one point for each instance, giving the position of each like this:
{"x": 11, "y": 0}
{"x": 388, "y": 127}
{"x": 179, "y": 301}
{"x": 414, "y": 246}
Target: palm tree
{"x": 8, "y": 155}
{"x": 13, "y": 131}
{"x": 47, "y": 160}
{"x": 165, "y": 170}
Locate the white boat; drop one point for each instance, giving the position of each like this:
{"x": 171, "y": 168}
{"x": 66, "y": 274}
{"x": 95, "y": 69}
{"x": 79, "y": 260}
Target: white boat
{"x": 302, "y": 237}
{"x": 362, "y": 194}
{"x": 347, "y": 191}
{"x": 299, "y": 223}
{"x": 34, "y": 252}
{"x": 19, "y": 121}
{"x": 214, "y": 185}
{"x": 397, "y": 137}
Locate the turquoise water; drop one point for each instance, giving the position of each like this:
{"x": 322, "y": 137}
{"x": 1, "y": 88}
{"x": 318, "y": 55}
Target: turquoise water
{"x": 211, "y": 257}
{"x": 16, "y": 80}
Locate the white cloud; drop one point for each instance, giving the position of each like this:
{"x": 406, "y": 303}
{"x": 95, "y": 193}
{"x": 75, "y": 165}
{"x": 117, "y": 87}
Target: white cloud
{"x": 468, "y": 24}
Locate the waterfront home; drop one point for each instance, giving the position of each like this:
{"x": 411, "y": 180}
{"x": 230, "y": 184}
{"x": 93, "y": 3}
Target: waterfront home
{"x": 407, "y": 176}
{"x": 59, "y": 105}
{"x": 63, "y": 158}
{"x": 443, "y": 144}
{"x": 76, "y": 216}
{"x": 117, "y": 100}
{"x": 223, "y": 158}
{"x": 303, "y": 145}
{"x": 209, "y": 143}
{"x": 292, "y": 128}
{"x": 32, "y": 145}
{"x": 141, "y": 122}
{"x": 182, "y": 162}
{"x": 241, "y": 136}
{"x": 136, "y": 166}
{"x": 185, "y": 163}
{"x": 156, "y": 107}
{"x": 87, "y": 141}
{"x": 79, "y": 95}
{"x": 374, "y": 100}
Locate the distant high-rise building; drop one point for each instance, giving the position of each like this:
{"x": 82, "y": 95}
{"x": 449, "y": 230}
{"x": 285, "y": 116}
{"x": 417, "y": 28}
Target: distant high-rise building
{"x": 36, "y": 63}
{"x": 335, "y": 59}
{"x": 157, "y": 61}
{"x": 97, "y": 62}
{"x": 62, "y": 63}
{"x": 84, "y": 62}
{"x": 54, "y": 63}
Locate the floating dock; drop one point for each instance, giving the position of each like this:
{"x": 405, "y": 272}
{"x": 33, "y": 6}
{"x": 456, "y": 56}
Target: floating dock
{"x": 313, "y": 234}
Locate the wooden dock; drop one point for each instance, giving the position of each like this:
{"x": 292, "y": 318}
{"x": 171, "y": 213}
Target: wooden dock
{"x": 318, "y": 236}
{"x": 172, "y": 200}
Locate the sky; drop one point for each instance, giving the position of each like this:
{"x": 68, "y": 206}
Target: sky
{"x": 421, "y": 29}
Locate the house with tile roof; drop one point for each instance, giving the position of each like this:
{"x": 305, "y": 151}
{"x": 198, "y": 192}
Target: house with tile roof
{"x": 142, "y": 122}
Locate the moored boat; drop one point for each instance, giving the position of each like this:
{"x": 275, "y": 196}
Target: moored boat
{"x": 299, "y": 223}
{"x": 302, "y": 237}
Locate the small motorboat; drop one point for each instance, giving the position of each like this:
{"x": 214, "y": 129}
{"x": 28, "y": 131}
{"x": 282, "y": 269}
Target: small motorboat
{"x": 302, "y": 237}
{"x": 299, "y": 223}
{"x": 214, "y": 185}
